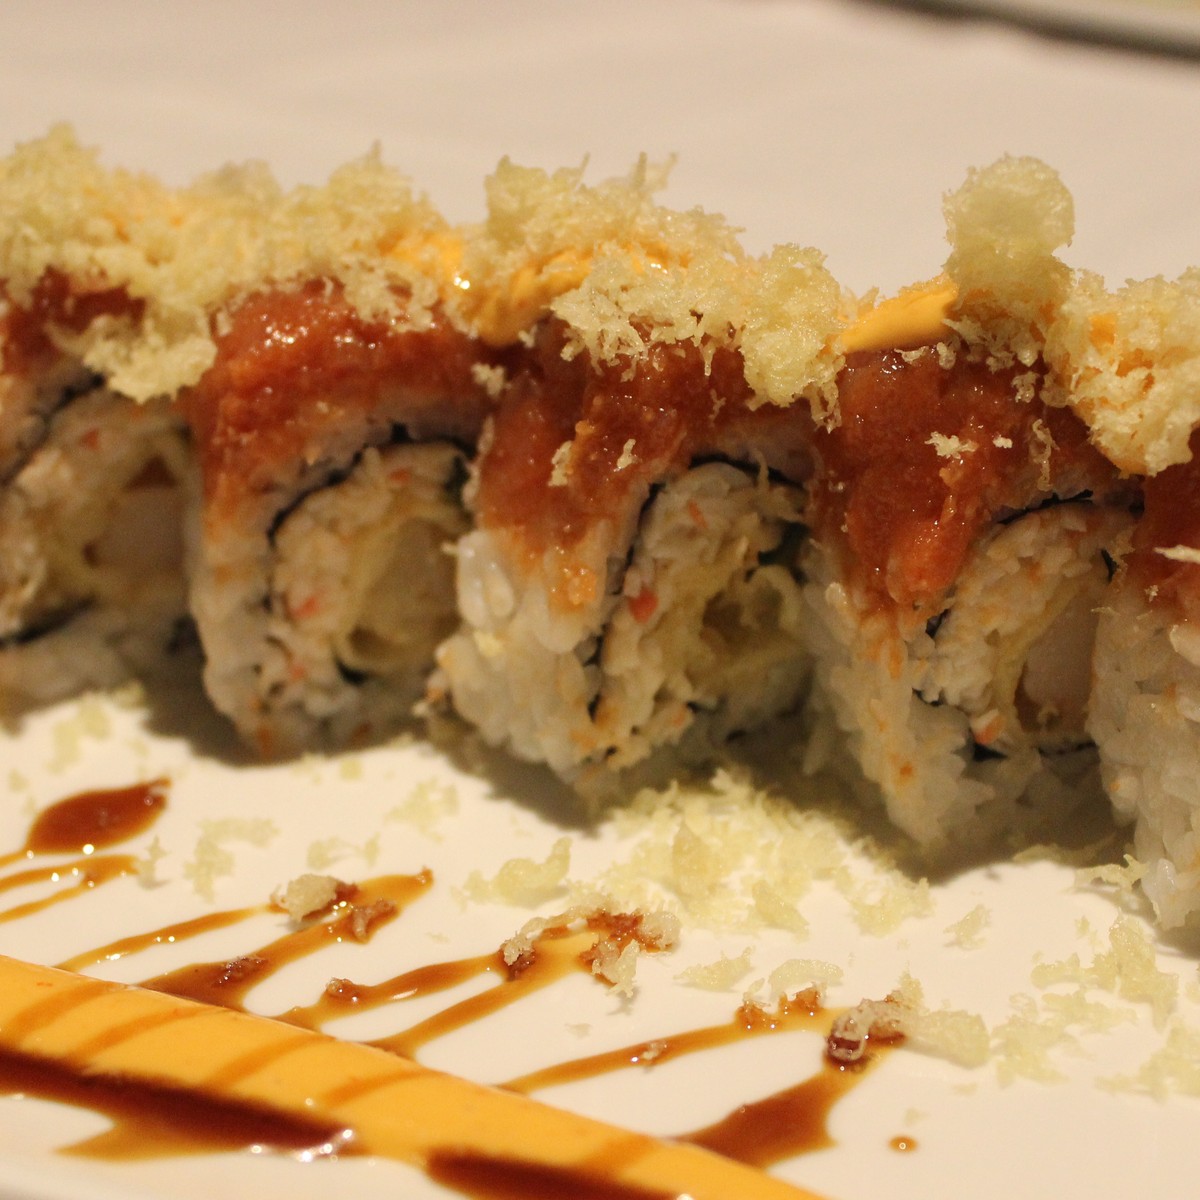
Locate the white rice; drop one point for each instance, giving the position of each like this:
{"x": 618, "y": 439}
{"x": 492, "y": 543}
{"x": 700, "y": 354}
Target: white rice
{"x": 1145, "y": 717}
{"x": 91, "y": 582}
{"x": 322, "y": 629}
{"x": 696, "y": 634}
{"x": 957, "y": 721}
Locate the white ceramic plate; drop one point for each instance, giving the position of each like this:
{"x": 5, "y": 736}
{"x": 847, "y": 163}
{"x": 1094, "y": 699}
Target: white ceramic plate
{"x": 968, "y": 1127}
{"x": 831, "y": 125}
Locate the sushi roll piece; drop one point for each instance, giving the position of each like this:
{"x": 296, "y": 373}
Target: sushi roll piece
{"x": 1131, "y": 361}
{"x": 631, "y": 584}
{"x": 92, "y": 464}
{"x": 609, "y": 486}
{"x": 964, "y": 531}
{"x": 332, "y": 431}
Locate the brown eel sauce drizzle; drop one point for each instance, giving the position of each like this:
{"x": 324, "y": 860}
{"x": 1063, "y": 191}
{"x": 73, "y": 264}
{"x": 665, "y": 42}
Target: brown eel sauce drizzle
{"x": 82, "y": 824}
{"x": 153, "y": 1122}
{"x": 508, "y": 1179}
{"x": 95, "y": 820}
{"x": 149, "y": 1120}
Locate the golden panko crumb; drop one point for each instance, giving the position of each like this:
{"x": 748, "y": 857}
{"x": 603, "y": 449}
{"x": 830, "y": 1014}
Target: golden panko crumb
{"x": 797, "y": 975}
{"x": 615, "y": 956}
{"x": 1005, "y": 225}
{"x": 956, "y": 1035}
{"x": 1128, "y": 362}
{"x": 1172, "y": 1069}
{"x": 326, "y": 851}
{"x": 212, "y": 859}
{"x": 617, "y": 965}
{"x": 1127, "y": 969}
{"x": 308, "y": 894}
{"x": 721, "y": 975}
{"x": 89, "y": 719}
{"x": 624, "y": 273}
{"x": 968, "y": 932}
{"x": 882, "y": 905}
{"x": 623, "y": 936}
{"x": 523, "y": 880}
{"x": 187, "y": 256}
{"x": 852, "y": 1031}
{"x": 1123, "y": 878}
{"x": 426, "y": 806}
{"x": 147, "y": 864}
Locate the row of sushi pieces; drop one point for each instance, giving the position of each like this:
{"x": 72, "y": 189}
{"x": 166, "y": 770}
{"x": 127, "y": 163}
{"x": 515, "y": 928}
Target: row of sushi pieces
{"x": 607, "y": 486}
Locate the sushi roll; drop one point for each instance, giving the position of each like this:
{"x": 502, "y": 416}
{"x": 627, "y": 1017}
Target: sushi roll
{"x": 964, "y": 532}
{"x": 608, "y": 486}
{"x": 331, "y": 431}
{"x": 1130, "y": 360}
{"x": 631, "y": 582}
{"x": 92, "y": 466}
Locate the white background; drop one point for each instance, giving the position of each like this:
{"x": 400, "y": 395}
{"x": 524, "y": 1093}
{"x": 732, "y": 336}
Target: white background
{"x": 838, "y": 125}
